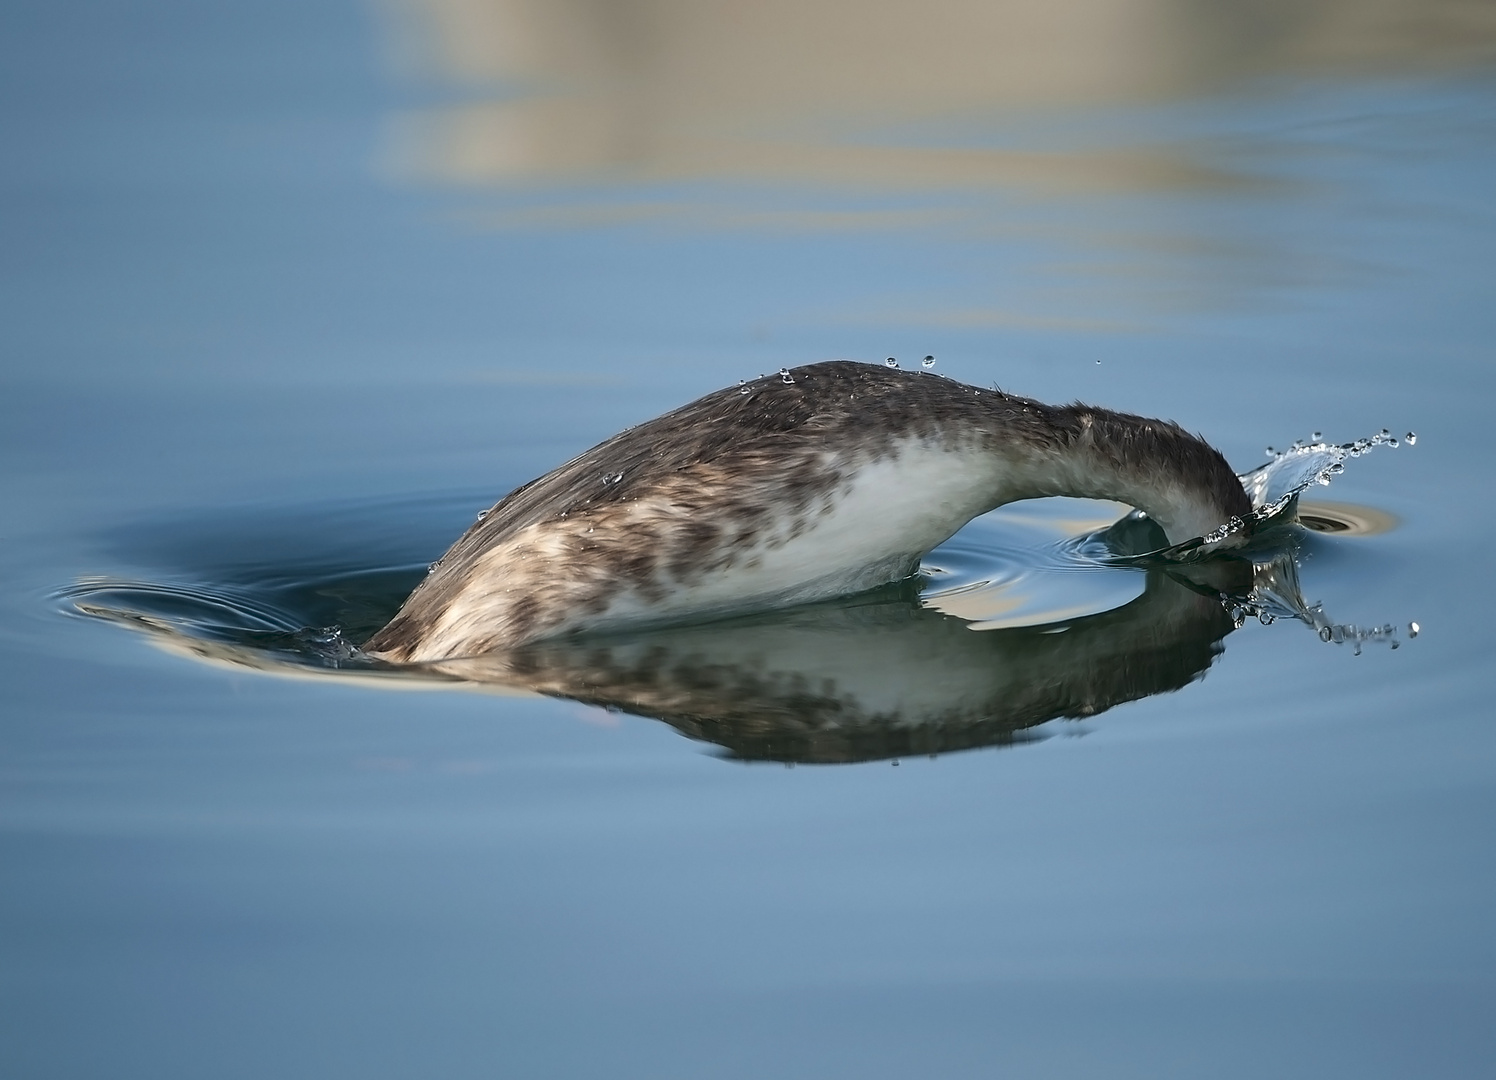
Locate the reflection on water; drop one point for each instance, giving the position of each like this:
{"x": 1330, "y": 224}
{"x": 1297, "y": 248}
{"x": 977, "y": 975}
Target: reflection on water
{"x": 881, "y": 677}
{"x": 815, "y": 92}
{"x": 886, "y": 674}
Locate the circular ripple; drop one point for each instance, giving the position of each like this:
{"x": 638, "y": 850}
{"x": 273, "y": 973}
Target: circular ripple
{"x": 1345, "y": 519}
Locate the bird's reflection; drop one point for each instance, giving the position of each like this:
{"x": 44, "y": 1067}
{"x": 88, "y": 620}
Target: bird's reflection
{"x": 877, "y": 676}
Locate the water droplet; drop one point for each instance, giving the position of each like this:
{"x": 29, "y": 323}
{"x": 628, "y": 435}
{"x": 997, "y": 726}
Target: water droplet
{"x": 1271, "y": 452}
{"x": 1098, "y": 363}
{"x": 1325, "y": 634}
{"x": 1392, "y": 442}
{"x": 742, "y": 382}
{"x": 744, "y": 390}
{"x": 891, "y": 362}
{"x": 1317, "y": 436}
{"x": 432, "y": 568}
{"x": 1410, "y": 438}
{"x": 1412, "y": 629}
{"x": 482, "y": 514}
{"x": 928, "y": 361}
{"x": 785, "y": 376}
{"x": 1335, "y": 468}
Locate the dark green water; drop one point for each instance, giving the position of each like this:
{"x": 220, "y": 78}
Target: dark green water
{"x": 283, "y": 309}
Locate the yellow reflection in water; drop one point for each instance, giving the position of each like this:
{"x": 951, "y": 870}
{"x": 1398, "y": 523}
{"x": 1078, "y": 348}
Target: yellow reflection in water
{"x": 1345, "y": 519}
{"x": 833, "y": 91}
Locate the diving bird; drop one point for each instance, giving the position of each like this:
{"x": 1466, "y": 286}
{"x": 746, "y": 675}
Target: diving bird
{"x": 811, "y": 483}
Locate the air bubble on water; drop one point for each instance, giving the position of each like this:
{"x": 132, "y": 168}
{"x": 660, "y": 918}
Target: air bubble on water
{"x": 928, "y": 361}
{"x": 1317, "y": 436}
{"x": 891, "y": 362}
{"x": 1410, "y": 438}
{"x": 1413, "y": 629}
{"x": 785, "y": 376}
{"x": 1098, "y": 363}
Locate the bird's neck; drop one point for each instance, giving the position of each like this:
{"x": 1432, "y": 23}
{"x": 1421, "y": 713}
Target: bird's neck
{"x": 1178, "y": 480}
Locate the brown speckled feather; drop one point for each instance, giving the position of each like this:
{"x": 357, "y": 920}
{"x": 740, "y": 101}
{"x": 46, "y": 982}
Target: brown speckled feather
{"x": 725, "y": 488}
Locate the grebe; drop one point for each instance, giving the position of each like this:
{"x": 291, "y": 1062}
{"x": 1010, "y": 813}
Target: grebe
{"x": 816, "y": 482}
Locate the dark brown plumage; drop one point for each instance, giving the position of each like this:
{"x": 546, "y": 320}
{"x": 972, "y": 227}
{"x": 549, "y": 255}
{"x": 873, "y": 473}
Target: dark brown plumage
{"x": 835, "y": 477}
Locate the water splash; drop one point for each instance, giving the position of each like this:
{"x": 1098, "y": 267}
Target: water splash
{"x": 1274, "y": 488}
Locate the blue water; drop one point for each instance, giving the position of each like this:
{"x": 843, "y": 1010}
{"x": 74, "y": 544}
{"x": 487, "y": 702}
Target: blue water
{"x": 265, "y": 340}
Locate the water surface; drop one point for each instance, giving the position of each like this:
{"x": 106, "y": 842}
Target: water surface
{"x": 293, "y": 291}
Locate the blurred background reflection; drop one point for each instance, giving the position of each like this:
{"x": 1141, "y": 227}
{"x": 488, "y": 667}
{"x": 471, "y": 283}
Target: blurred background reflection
{"x": 872, "y": 95}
